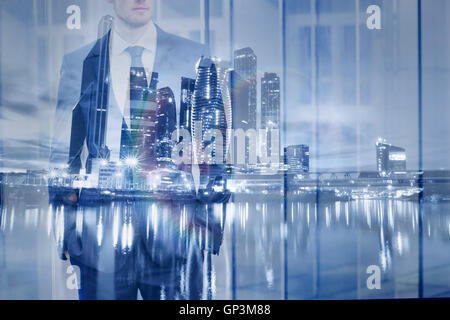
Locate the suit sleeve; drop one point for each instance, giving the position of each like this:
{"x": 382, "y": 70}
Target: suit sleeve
{"x": 68, "y": 95}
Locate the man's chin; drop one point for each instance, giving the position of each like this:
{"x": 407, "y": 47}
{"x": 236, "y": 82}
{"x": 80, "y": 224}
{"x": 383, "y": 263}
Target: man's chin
{"x": 136, "y": 22}
{"x": 139, "y": 22}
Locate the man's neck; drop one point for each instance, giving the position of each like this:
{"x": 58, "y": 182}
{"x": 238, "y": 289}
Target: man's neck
{"x": 130, "y": 33}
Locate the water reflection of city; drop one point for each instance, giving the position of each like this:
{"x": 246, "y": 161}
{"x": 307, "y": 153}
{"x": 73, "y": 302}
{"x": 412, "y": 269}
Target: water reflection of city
{"x": 309, "y": 250}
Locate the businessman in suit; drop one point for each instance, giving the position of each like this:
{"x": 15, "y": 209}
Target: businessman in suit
{"x": 103, "y": 76}
{"x": 110, "y": 85}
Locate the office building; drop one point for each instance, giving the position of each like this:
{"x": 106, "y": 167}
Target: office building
{"x": 245, "y": 64}
{"x": 166, "y": 123}
{"x": 208, "y": 115}
{"x": 187, "y": 89}
{"x": 270, "y": 110}
{"x": 240, "y": 93}
{"x": 390, "y": 159}
{"x": 139, "y": 140}
{"x": 108, "y": 176}
{"x": 270, "y": 101}
{"x": 297, "y": 159}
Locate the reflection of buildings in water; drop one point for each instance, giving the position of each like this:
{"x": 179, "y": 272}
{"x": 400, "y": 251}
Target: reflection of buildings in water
{"x": 137, "y": 237}
{"x": 385, "y": 230}
{"x": 3, "y": 275}
{"x": 158, "y": 243}
{"x": 257, "y": 228}
{"x": 394, "y": 222}
{"x": 389, "y": 227}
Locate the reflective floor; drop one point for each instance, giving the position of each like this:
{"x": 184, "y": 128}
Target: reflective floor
{"x": 242, "y": 250}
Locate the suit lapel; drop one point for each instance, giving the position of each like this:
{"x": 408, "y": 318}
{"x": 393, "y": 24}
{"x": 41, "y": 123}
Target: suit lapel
{"x": 96, "y": 64}
{"x": 95, "y": 85}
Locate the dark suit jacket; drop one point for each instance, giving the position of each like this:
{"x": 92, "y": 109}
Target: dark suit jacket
{"x": 94, "y": 236}
{"x": 84, "y": 88}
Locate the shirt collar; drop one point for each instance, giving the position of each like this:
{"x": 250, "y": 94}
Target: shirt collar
{"x": 147, "y": 41}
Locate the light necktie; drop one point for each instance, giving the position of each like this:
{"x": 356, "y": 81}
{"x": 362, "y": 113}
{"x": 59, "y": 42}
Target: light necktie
{"x": 130, "y": 142}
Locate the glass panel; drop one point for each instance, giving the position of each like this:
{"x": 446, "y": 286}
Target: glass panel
{"x": 254, "y": 256}
{"x": 220, "y": 29}
{"x": 435, "y": 143}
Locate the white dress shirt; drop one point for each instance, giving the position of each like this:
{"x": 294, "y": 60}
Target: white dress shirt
{"x": 120, "y": 63}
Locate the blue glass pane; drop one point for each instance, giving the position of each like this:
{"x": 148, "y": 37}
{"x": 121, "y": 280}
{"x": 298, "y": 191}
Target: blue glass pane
{"x": 298, "y": 6}
{"x": 305, "y": 65}
{"x": 333, "y": 6}
{"x": 185, "y": 8}
{"x": 323, "y": 63}
{"x": 347, "y": 66}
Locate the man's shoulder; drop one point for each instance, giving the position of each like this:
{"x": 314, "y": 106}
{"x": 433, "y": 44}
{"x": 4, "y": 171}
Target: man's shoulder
{"x": 178, "y": 40}
{"x": 187, "y": 43}
{"x": 79, "y": 55}
{"x": 181, "y": 44}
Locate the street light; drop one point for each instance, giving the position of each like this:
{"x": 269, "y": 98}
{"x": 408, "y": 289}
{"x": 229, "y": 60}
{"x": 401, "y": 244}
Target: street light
{"x": 131, "y": 162}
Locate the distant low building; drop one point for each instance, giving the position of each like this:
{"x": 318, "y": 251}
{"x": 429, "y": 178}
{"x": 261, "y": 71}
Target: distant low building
{"x": 390, "y": 159}
{"x": 368, "y": 175}
{"x": 108, "y": 173}
{"x": 297, "y": 157}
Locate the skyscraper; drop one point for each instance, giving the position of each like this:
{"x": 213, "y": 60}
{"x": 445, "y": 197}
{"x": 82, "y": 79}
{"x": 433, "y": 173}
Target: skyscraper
{"x": 209, "y": 115}
{"x": 382, "y": 156}
{"x": 270, "y": 101}
{"x": 240, "y": 92}
{"x": 139, "y": 140}
{"x": 298, "y": 158}
{"x": 187, "y": 89}
{"x": 245, "y": 64}
{"x": 166, "y": 123}
{"x": 270, "y": 110}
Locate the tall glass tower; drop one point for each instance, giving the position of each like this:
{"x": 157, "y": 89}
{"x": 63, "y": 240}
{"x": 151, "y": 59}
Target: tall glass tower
{"x": 166, "y": 123}
{"x": 140, "y": 139}
{"x": 245, "y": 64}
{"x": 270, "y": 109}
{"x": 209, "y": 116}
{"x": 270, "y": 101}
{"x": 187, "y": 89}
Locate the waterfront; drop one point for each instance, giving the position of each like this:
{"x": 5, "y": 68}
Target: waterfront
{"x": 308, "y": 251}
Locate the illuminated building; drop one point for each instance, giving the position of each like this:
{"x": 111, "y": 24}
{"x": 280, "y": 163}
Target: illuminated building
{"x": 166, "y": 123}
{"x": 140, "y": 138}
{"x": 187, "y": 89}
{"x": 298, "y": 158}
{"x": 390, "y": 159}
{"x": 209, "y": 116}
{"x": 245, "y": 64}
{"x": 270, "y": 101}
{"x": 240, "y": 92}
{"x": 270, "y": 108}
{"x": 108, "y": 173}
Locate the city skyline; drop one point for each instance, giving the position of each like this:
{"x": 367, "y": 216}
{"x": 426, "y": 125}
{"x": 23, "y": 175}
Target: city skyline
{"x": 317, "y": 116}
